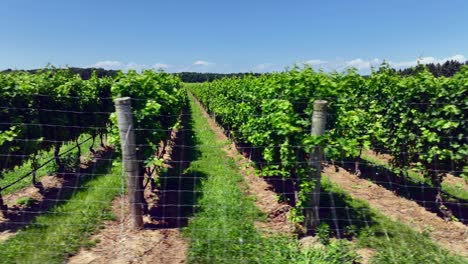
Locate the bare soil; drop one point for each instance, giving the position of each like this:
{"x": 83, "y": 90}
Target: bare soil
{"x": 366, "y": 254}
{"x": 119, "y": 244}
{"x": 452, "y": 236}
{"x": 384, "y": 158}
{"x": 456, "y": 181}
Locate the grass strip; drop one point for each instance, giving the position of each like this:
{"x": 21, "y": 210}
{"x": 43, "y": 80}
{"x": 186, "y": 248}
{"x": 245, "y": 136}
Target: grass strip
{"x": 223, "y": 230}
{"x": 53, "y": 236}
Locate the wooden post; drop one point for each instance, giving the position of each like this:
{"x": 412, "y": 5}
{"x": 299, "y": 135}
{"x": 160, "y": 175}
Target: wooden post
{"x": 129, "y": 160}
{"x": 319, "y": 119}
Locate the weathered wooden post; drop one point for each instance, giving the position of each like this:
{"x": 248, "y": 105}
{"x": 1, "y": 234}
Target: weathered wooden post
{"x": 129, "y": 160}
{"x": 319, "y": 119}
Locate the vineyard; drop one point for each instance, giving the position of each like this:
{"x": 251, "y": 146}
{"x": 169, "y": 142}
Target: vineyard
{"x": 420, "y": 121}
{"x": 233, "y": 170}
{"x": 53, "y": 109}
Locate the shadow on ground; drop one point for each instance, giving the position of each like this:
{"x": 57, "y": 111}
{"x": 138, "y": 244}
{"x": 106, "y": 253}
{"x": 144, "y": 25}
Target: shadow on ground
{"x": 178, "y": 191}
{"x": 421, "y": 193}
{"x": 345, "y": 217}
{"x": 19, "y": 217}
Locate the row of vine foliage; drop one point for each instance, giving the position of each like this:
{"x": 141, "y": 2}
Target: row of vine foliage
{"x": 420, "y": 120}
{"x": 46, "y": 109}
{"x": 51, "y": 107}
{"x": 157, "y": 103}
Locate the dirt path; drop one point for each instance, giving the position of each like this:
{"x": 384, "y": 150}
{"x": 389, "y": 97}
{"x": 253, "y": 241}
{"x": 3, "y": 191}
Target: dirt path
{"x": 265, "y": 198}
{"x": 118, "y": 245}
{"x": 453, "y": 236}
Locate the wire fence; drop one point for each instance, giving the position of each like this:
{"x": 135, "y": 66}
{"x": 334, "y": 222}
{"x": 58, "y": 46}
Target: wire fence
{"x": 72, "y": 197}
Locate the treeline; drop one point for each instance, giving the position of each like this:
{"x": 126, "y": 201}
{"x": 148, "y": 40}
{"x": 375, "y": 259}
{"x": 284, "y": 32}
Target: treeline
{"x": 85, "y": 73}
{"x": 188, "y": 77}
{"x": 447, "y": 69}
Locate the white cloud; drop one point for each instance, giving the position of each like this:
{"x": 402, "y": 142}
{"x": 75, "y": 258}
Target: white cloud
{"x": 361, "y": 64}
{"x": 315, "y": 62}
{"x": 403, "y": 64}
{"x": 118, "y": 65}
{"x": 160, "y": 66}
{"x": 458, "y": 57}
{"x": 203, "y": 63}
{"x": 365, "y": 65}
{"x": 135, "y": 66}
{"x": 262, "y": 67}
{"x": 198, "y": 66}
{"x": 108, "y": 64}
{"x": 358, "y": 63}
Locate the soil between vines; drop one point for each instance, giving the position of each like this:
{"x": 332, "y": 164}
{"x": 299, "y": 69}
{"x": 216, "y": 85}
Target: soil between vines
{"x": 452, "y": 236}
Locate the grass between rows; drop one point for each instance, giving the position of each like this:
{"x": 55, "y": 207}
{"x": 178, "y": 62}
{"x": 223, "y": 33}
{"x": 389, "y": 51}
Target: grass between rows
{"x": 454, "y": 190}
{"x": 53, "y": 236}
{"x": 394, "y": 242}
{"x": 43, "y": 156}
{"x": 223, "y": 230}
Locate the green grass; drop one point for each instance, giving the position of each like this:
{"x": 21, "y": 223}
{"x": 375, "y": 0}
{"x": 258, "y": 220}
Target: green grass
{"x": 394, "y": 242}
{"x": 223, "y": 230}
{"x": 44, "y": 156}
{"x": 455, "y": 191}
{"x": 53, "y": 236}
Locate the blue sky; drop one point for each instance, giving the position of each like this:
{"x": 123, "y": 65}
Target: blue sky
{"x": 230, "y": 36}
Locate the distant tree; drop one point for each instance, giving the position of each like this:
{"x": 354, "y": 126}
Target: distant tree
{"x": 85, "y": 73}
{"x": 447, "y": 69}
